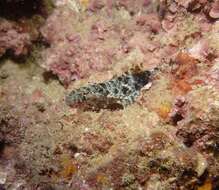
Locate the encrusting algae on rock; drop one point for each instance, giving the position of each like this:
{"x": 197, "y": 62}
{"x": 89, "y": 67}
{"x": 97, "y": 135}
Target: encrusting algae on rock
{"x": 120, "y": 136}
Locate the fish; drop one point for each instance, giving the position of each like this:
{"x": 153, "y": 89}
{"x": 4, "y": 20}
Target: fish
{"x": 113, "y": 94}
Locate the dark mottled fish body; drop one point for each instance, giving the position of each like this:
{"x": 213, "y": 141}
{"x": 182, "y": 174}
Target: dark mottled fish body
{"x": 113, "y": 94}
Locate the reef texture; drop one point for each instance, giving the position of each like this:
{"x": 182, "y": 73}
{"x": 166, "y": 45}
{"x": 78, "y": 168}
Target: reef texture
{"x": 167, "y": 138}
{"x": 94, "y": 40}
{"x": 13, "y": 39}
{"x": 92, "y": 36}
{"x": 20, "y": 21}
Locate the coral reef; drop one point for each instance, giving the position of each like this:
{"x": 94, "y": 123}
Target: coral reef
{"x": 104, "y": 53}
{"x": 20, "y": 21}
{"x": 91, "y": 43}
{"x": 13, "y": 39}
{"x": 96, "y": 35}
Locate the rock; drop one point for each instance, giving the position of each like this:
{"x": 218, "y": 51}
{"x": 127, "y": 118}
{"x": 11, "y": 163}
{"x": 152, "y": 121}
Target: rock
{"x": 201, "y": 164}
{"x": 3, "y": 177}
{"x": 4, "y": 74}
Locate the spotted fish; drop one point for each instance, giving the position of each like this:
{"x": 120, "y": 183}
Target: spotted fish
{"x": 114, "y": 94}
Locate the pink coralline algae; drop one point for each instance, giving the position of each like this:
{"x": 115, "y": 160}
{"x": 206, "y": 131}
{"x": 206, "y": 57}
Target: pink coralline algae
{"x": 214, "y": 12}
{"x": 71, "y": 55}
{"x": 97, "y": 39}
{"x": 82, "y": 46}
{"x": 74, "y": 61}
{"x": 150, "y": 21}
{"x": 13, "y": 39}
{"x": 132, "y": 6}
{"x": 96, "y": 5}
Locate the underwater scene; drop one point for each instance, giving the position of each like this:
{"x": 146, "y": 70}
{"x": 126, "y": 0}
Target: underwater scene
{"x": 109, "y": 94}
